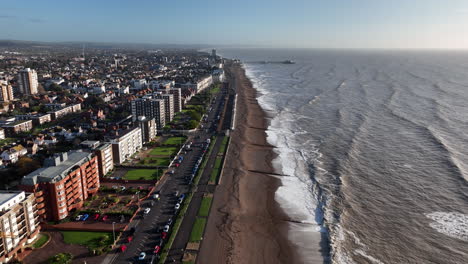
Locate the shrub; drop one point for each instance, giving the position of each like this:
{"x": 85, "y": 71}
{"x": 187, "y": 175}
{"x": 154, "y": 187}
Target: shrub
{"x": 60, "y": 258}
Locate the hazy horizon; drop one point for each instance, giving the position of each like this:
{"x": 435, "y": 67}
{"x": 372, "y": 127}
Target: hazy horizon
{"x": 366, "y": 24}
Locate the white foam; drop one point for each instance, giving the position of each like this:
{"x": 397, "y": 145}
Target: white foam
{"x": 295, "y": 196}
{"x": 450, "y": 223}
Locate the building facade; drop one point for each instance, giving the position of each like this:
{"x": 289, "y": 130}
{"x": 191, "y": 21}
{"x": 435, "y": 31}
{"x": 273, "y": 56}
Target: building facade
{"x": 37, "y": 119}
{"x": 27, "y": 81}
{"x": 148, "y": 128}
{"x": 63, "y": 184}
{"x": 168, "y": 105}
{"x": 150, "y": 108}
{"x": 56, "y": 114}
{"x": 177, "y": 93}
{"x": 19, "y": 223}
{"x": 16, "y": 127}
{"x": 126, "y": 144}
{"x": 6, "y": 91}
{"x": 105, "y": 158}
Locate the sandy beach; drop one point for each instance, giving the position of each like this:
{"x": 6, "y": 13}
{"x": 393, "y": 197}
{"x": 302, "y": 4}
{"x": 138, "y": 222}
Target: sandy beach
{"x": 246, "y": 224}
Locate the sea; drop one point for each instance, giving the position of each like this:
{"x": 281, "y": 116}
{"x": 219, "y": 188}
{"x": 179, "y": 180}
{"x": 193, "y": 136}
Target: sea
{"x": 373, "y": 149}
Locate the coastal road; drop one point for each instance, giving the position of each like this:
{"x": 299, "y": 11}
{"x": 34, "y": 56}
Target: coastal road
{"x": 147, "y": 234}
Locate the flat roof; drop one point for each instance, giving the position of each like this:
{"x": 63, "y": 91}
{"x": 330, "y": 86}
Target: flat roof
{"x": 6, "y": 196}
{"x": 57, "y": 173}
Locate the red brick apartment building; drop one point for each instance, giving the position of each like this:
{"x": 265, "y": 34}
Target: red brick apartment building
{"x": 64, "y": 183}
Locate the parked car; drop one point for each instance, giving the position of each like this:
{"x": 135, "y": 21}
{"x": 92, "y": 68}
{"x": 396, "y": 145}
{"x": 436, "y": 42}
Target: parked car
{"x": 132, "y": 230}
{"x": 177, "y": 206}
{"x": 147, "y": 210}
{"x": 85, "y": 217}
{"x": 164, "y": 235}
{"x": 169, "y": 222}
{"x": 156, "y": 249}
{"x": 104, "y": 218}
{"x": 166, "y": 228}
{"x": 96, "y": 216}
{"x": 123, "y": 248}
{"x": 142, "y": 256}
{"x": 156, "y": 196}
{"x": 129, "y": 239}
{"x": 78, "y": 217}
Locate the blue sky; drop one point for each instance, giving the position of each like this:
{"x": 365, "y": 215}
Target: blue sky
{"x": 286, "y": 23}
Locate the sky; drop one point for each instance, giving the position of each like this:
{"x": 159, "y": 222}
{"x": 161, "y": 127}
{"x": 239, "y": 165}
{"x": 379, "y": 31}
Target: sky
{"x": 396, "y": 24}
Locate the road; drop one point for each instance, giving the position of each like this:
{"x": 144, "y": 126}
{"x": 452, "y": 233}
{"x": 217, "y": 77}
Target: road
{"x": 147, "y": 234}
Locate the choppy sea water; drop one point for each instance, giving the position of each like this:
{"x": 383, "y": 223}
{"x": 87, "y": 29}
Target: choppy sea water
{"x": 374, "y": 149}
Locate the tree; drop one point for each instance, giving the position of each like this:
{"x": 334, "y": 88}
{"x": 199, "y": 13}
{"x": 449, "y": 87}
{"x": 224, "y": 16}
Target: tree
{"x": 26, "y": 165}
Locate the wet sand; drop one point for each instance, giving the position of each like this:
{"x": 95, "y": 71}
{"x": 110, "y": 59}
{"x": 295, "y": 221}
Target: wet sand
{"x": 246, "y": 224}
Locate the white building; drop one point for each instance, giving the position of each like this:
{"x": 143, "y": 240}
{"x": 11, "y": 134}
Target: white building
{"x": 19, "y": 223}
{"x": 150, "y": 108}
{"x": 168, "y": 105}
{"x": 126, "y": 144}
{"x": 27, "y": 80}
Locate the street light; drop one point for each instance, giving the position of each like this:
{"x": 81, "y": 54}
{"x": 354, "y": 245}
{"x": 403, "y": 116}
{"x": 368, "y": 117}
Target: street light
{"x": 113, "y": 231}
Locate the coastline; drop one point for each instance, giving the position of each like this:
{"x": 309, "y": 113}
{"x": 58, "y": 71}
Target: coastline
{"x": 246, "y": 224}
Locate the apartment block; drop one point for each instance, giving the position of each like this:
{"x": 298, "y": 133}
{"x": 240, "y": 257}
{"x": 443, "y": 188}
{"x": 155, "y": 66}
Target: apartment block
{"x": 6, "y": 91}
{"x": 149, "y": 108}
{"x": 177, "y": 93}
{"x": 19, "y": 223}
{"x": 37, "y": 119}
{"x": 125, "y": 144}
{"x": 168, "y": 105}
{"x": 148, "y": 128}
{"x": 27, "y": 81}
{"x": 16, "y": 127}
{"x": 63, "y": 184}
{"x": 105, "y": 158}
{"x": 56, "y": 114}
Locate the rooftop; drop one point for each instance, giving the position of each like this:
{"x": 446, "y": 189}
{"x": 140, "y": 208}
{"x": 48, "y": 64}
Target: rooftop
{"x": 60, "y": 171}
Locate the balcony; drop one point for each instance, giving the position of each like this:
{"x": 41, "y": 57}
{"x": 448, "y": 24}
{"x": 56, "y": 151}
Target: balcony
{"x": 38, "y": 193}
{"x": 41, "y": 211}
{"x": 40, "y": 199}
{"x": 40, "y": 206}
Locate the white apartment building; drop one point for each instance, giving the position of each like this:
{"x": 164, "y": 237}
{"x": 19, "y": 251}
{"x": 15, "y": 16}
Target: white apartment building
{"x": 168, "y": 105}
{"x": 126, "y": 144}
{"x": 19, "y": 223}
{"x": 150, "y": 108}
{"x": 27, "y": 80}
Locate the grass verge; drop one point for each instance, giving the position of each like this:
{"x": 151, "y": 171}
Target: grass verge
{"x": 142, "y": 174}
{"x": 205, "y": 206}
{"x": 43, "y": 238}
{"x": 197, "y": 230}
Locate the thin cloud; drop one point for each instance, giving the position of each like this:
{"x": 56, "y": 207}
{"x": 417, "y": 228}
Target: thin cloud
{"x": 36, "y": 20}
{"x": 7, "y": 16}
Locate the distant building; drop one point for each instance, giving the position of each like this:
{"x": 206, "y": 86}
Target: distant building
{"x": 213, "y": 53}
{"x": 16, "y": 127}
{"x": 56, "y": 114}
{"x": 27, "y": 80}
{"x": 177, "y": 92}
{"x": 139, "y": 84}
{"x": 168, "y": 105}
{"x": 19, "y": 223}
{"x": 148, "y": 128}
{"x": 218, "y": 76}
{"x": 37, "y": 119}
{"x": 64, "y": 183}
{"x": 2, "y": 133}
{"x": 126, "y": 144}
{"x": 6, "y": 91}
{"x": 150, "y": 108}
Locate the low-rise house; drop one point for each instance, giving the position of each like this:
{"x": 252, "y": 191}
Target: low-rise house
{"x": 11, "y": 155}
{"x": 17, "y": 127}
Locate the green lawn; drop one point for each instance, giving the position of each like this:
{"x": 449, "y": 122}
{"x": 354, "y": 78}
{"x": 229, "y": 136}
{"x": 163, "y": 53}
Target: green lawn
{"x": 205, "y": 206}
{"x": 163, "y": 151}
{"x": 90, "y": 239}
{"x": 222, "y": 149}
{"x": 138, "y": 174}
{"x": 43, "y": 238}
{"x": 197, "y": 230}
{"x": 151, "y": 161}
{"x": 215, "y": 89}
{"x": 174, "y": 141}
